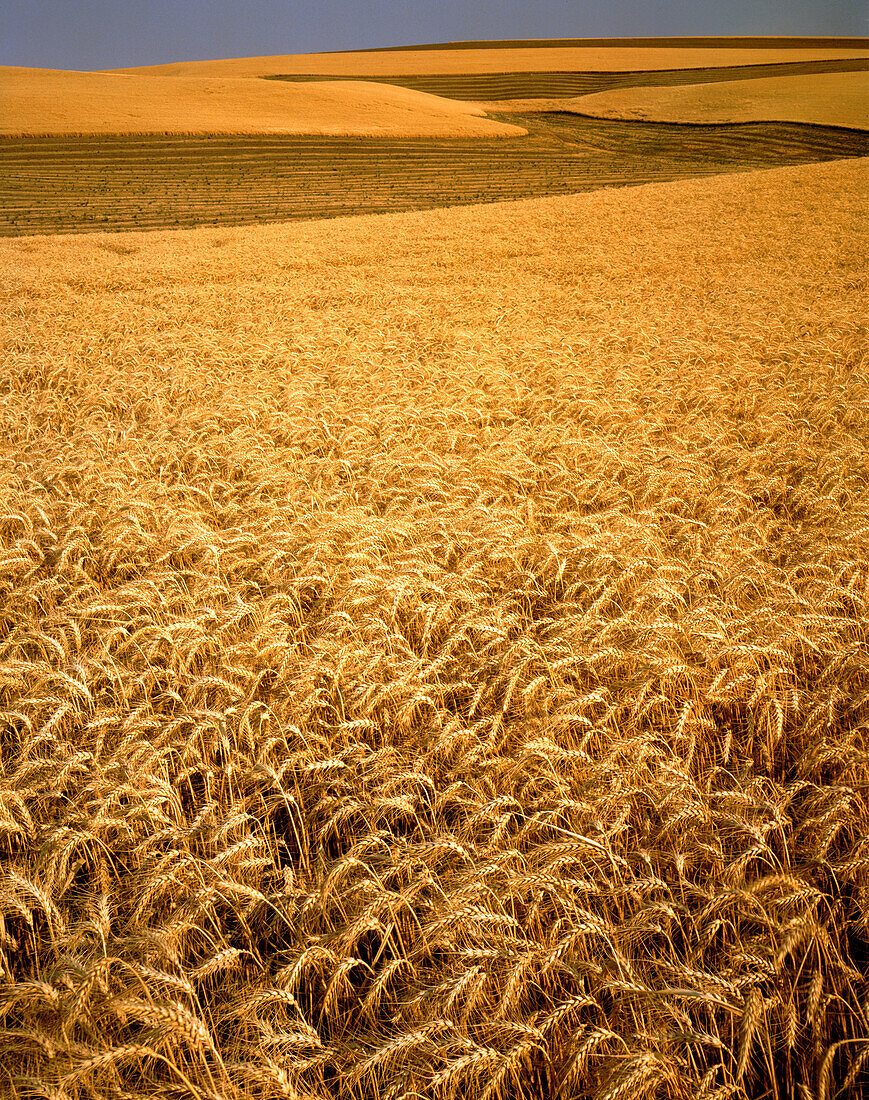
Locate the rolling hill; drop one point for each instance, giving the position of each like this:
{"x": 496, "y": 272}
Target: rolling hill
{"x": 41, "y": 102}
{"x": 824, "y": 99}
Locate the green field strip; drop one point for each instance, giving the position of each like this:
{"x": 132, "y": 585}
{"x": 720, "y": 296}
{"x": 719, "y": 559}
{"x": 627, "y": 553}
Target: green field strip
{"x": 64, "y": 185}
{"x": 550, "y": 85}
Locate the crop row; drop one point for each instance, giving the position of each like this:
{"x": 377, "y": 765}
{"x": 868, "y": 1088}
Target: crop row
{"x": 488, "y": 86}
{"x": 74, "y": 185}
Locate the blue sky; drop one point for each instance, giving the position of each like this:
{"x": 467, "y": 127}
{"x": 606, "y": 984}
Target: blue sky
{"x": 96, "y": 34}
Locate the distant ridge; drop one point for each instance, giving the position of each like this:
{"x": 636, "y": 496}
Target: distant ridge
{"x": 746, "y": 42}
{"x": 546, "y": 55}
{"x": 477, "y": 87}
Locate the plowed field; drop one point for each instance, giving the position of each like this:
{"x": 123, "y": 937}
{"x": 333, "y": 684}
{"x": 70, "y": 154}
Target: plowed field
{"x": 544, "y": 85}
{"x": 72, "y": 185}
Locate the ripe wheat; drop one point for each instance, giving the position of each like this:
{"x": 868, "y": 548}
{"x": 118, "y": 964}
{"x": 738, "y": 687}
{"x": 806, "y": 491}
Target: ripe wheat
{"x": 433, "y": 653}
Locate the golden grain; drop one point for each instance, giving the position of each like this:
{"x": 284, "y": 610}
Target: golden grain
{"x": 432, "y": 657}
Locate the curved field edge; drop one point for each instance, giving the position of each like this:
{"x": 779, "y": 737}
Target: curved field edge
{"x": 761, "y": 42}
{"x": 830, "y": 99}
{"x": 524, "y": 85}
{"x": 374, "y": 64}
{"x": 57, "y": 185}
{"x": 53, "y": 102}
{"x": 434, "y": 652}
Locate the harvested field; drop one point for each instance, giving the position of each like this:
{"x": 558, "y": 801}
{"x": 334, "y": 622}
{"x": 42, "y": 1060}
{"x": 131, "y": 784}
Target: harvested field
{"x": 826, "y": 99}
{"x": 57, "y": 185}
{"x": 433, "y": 657}
{"x": 456, "y": 59}
{"x": 49, "y": 101}
{"x": 713, "y": 43}
{"x": 494, "y": 86}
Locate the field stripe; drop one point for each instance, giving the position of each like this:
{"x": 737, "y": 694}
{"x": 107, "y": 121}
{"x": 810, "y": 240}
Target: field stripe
{"x": 546, "y": 85}
{"x": 769, "y": 42}
{"x": 56, "y": 185}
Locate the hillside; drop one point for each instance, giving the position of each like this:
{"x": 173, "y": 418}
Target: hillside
{"x": 551, "y": 58}
{"x": 53, "y": 102}
{"x": 63, "y": 184}
{"x": 825, "y": 99}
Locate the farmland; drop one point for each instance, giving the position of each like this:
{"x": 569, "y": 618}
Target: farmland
{"x": 434, "y": 653}
{"x": 551, "y": 83}
{"x": 832, "y": 99}
{"x": 41, "y": 102}
{"x": 210, "y": 143}
{"x": 434, "y": 646}
{"x": 615, "y": 56}
{"x": 64, "y": 185}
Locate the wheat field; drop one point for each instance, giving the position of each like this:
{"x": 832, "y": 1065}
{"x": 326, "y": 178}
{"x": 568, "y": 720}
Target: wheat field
{"x": 51, "y": 101}
{"x": 825, "y": 99}
{"x": 498, "y": 91}
{"x": 433, "y": 657}
{"x": 528, "y": 57}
